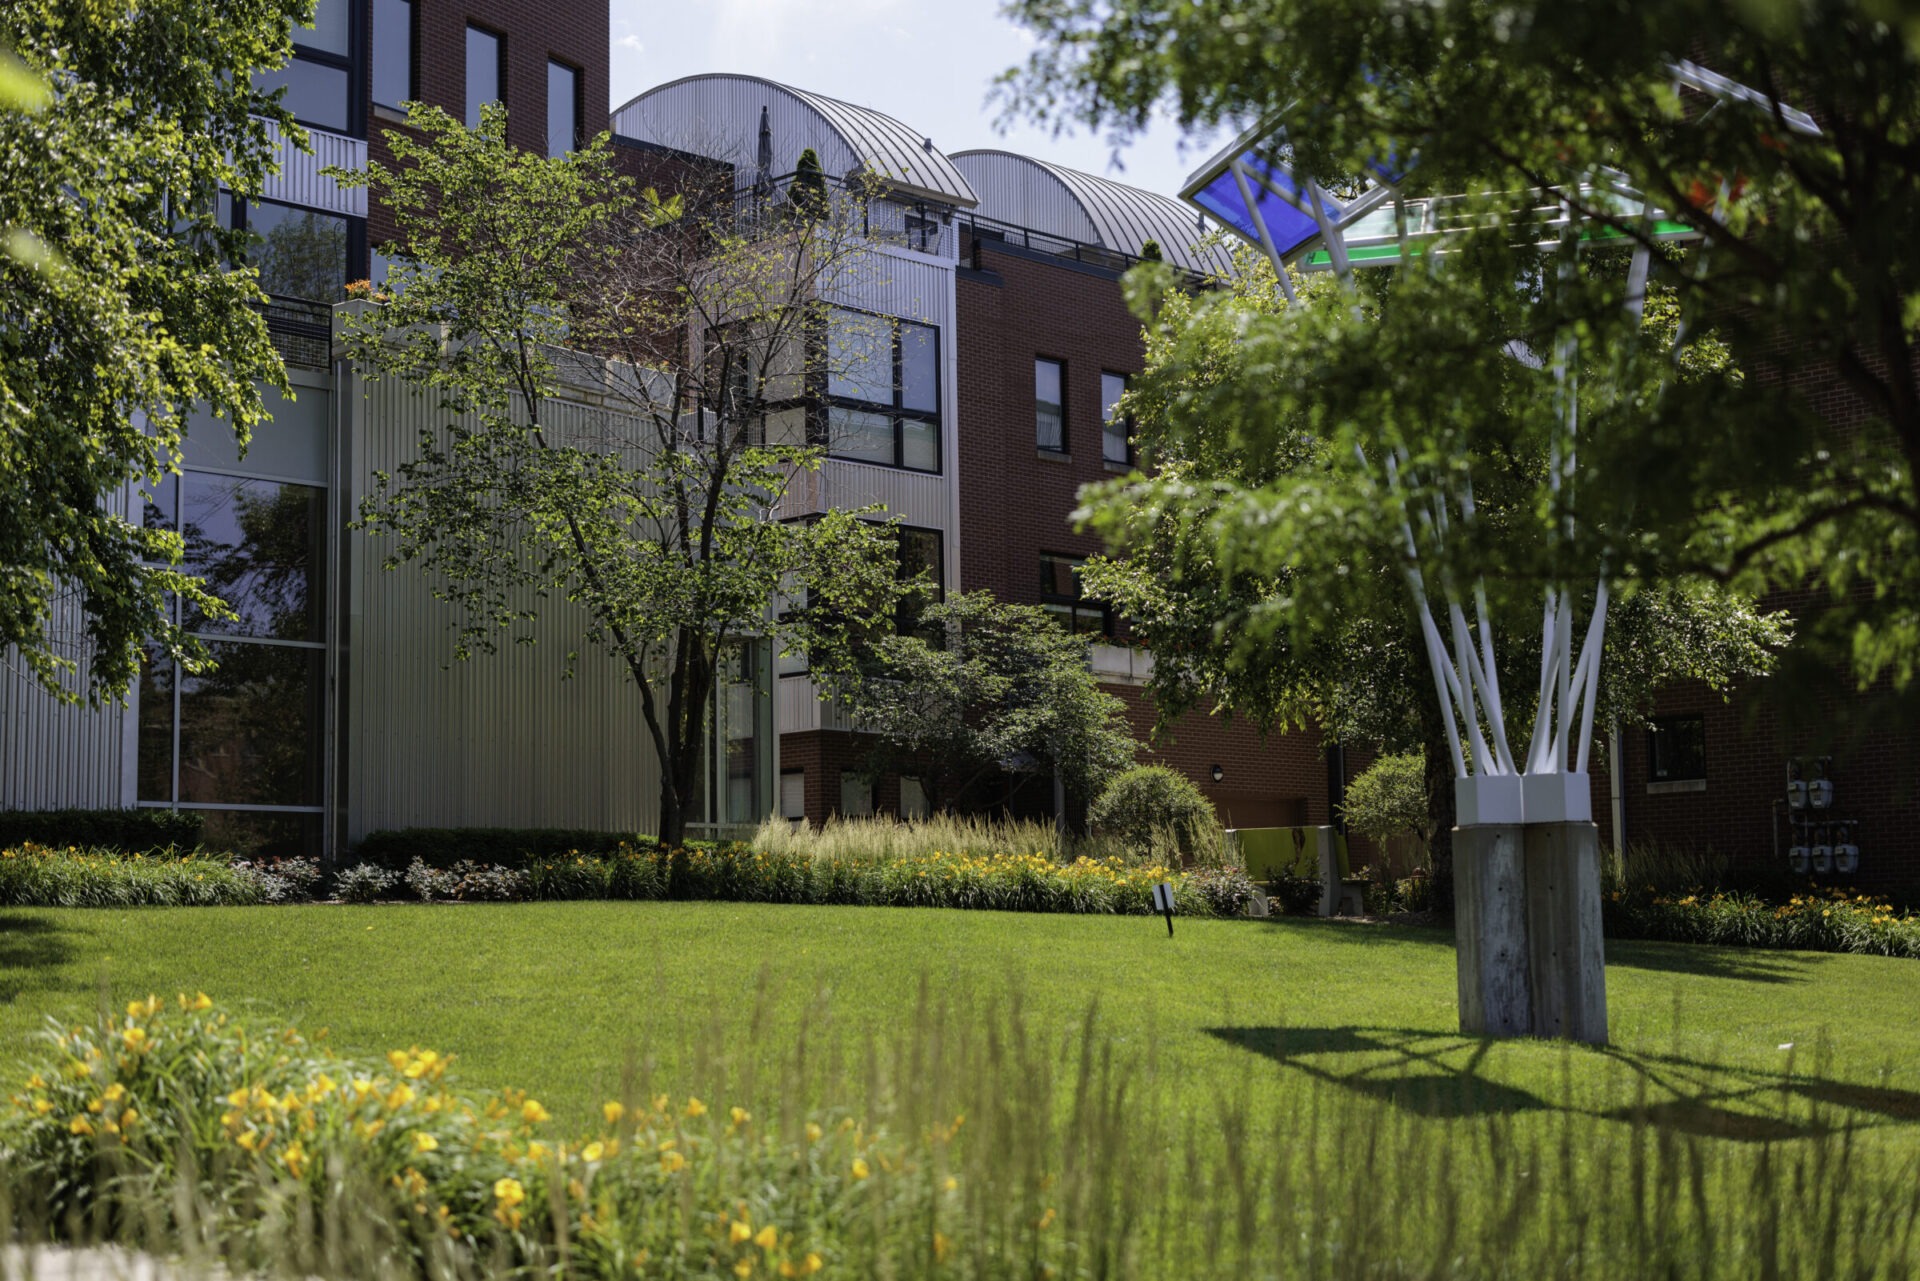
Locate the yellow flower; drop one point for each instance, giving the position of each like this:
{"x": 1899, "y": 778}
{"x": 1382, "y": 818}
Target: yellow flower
{"x": 251, "y": 1140}
{"x": 398, "y": 1058}
{"x": 80, "y": 1125}
{"x": 942, "y": 1247}
{"x": 424, "y": 1142}
{"x": 951, "y": 1183}
{"x": 296, "y": 1160}
{"x": 613, "y": 1112}
{"x": 592, "y": 1152}
{"x": 738, "y": 1232}
{"x": 766, "y": 1238}
{"x": 740, "y": 1116}
{"x": 129, "y": 1117}
{"x": 509, "y": 1191}
{"x": 135, "y": 1038}
{"x": 813, "y": 1132}
{"x": 42, "y": 1106}
{"x": 114, "y": 1093}
{"x": 672, "y": 1162}
{"x": 696, "y": 1108}
{"x": 744, "y": 1268}
{"x": 532, "y": 1113}
{"x": 860, "y": 1168}
{"x": 402, "y": 1095}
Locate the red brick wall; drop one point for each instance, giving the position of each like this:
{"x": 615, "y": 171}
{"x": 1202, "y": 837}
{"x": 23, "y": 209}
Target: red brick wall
{"x": 569, "y": 31}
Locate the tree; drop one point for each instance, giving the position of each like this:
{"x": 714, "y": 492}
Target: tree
{"x": 1267, "y": 577}
{"x": 662, "y": 520}
{"x": 1390, "y": 798}
{"x": 122, "y": 315}
{"x": 1810, "y": 277}
{"x": 981, "y": 689}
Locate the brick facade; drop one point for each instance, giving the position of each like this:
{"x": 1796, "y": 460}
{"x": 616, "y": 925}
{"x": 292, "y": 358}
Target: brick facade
{"x": 574, "y": 32}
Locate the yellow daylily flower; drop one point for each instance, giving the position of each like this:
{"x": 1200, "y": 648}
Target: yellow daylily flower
{"x": 532, "y": 1113}
{"x": 860, "y": 1168}
{"x": 613, "y": 1112}
{"x": 424, "y": 1142}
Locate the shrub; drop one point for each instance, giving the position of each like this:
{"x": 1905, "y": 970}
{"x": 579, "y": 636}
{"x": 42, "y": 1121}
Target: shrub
{"x": 1834, "y": 921}
{"x": 36, "y": 876}
{"x": 282, "y": 880}
{"x": 442, "y": 847}
{"x": 364, "y": 883}
{"x": 1227, "y": 890}
{"x": 1389, "y": 798}
{"x": 1157, "y": 812}
{"x": 467, "y": 882}
{"x": 1297, "y": 895}
{"x": 129, "y": 831}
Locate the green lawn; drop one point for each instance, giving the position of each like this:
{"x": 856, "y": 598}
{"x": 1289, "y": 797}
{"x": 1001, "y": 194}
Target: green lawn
{"x": 1249, "y": 1097}
{"x": 560, "y": 998}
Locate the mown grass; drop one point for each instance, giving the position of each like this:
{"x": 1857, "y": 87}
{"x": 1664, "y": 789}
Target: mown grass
{"x": 1306, "y": 1070}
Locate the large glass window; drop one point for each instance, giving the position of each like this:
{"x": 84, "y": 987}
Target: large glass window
{"x": 317, "y": 93}
{"x": 332, "y": 30}
{"x": 1049, "y": 405}
{"x": 1115, "y": 447}
{"x": 563, "y": 108}
{"x": 1677, "y": 749}
{"x": 883, "y": 390}
{"x": 300, "y": 253}
{"x": 1062, "y": 594}
{"x": 392, "y": 52}
{"x": 485, "y": 57}
{"x": 242, "y": 741}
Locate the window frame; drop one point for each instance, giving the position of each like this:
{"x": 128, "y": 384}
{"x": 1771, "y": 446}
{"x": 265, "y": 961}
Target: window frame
{"x": 356, "y": 117}
{"x": 240, "y": 212}
{"x": 1065, "y": 448}
{"x": 1079, "y": 603}
{"x": 897, "y": 412}
{"x": 579, "y": 111}
{"x": 1665, "y": 724}
{"x": 499, "y": 39}
{"x": 1108, "y": 420}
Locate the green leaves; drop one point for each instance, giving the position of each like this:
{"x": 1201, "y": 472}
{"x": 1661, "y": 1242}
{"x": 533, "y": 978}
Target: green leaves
{"x": 117, "y": 123}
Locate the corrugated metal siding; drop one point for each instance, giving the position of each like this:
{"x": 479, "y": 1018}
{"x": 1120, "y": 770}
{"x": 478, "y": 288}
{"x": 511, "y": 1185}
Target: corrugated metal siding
{"x": 300, "y": 181}
{"x": 54, "y": 754}
{"x": 501, "y": 740}
{"x": 1083, "y": 206}
{"x": 718, "y": 116}
{"x": 796, "y": 707}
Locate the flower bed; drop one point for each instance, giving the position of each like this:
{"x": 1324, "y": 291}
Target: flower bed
{"x": 1831, "y": 922}
{"x": 41, "y": 876}
{"x": 284, "y": 1143}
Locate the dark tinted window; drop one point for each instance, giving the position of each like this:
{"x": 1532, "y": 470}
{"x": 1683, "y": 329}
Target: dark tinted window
{"x": 301, "y": 254}
{"x": 316, "y": 94}
{"x": 331, "y": 31}
{"x": 563, "y": 108}
{"x": 258, "y": 544}
{"x": 483, "y": 72}
{"x": 250, "y": 728}
{"x": 1049, "y": 405}
{"x": 1677, "y": 749}
{"x": 392, "y": 51}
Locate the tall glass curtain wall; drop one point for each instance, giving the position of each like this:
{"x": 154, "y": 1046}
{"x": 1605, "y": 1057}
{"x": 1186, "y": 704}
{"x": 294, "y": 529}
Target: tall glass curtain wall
{"x": 241, "y": 741}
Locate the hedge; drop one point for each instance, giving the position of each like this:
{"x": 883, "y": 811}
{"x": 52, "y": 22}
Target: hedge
{"x": 514, "y": 847}
{"x": 130, "y": 831}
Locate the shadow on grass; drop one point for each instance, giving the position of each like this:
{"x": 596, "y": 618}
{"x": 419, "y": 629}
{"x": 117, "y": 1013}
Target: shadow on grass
{"x": 1711, "y": 961}
{"x": 1437, "y": 1075}
{"x": 29, "y": 947}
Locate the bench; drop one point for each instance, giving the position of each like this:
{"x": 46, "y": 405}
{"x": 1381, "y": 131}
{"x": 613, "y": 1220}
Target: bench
{"x": 1310, "y": 853}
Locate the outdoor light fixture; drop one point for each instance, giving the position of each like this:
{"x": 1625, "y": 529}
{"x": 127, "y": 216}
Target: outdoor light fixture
{"x": 1218, "y": 773}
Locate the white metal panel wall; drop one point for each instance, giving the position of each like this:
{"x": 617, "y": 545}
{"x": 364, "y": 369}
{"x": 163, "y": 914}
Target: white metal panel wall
{"x": 54, "y": 754}
{"x": 501, "y": 740}
{"x": 719, "y": 117}
{"x": 1014, "y": 189}
{"x": 300, "y": 181}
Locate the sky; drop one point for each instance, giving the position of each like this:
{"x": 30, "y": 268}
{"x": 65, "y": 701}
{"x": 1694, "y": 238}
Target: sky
{"x": 929, "y": 65}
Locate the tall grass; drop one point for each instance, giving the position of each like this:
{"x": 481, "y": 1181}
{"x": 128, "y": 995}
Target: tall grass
{"x": 991, "y": 1146}
{"x": 886, "y": 839}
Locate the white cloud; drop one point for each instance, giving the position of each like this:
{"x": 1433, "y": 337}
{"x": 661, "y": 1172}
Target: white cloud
{"x": 631, "y": 42}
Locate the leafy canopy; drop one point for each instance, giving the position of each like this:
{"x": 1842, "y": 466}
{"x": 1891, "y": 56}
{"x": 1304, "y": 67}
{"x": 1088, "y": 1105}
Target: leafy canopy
{"x": 118, "y": 122}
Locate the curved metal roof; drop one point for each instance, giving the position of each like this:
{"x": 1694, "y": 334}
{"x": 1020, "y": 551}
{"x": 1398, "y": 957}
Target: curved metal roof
{"x": 728, "y": 105}
{"x": 1123, "y": 217}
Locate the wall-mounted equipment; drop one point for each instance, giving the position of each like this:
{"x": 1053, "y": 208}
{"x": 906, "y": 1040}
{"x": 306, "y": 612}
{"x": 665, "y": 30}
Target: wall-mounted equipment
{"x": 1820, "y": 842}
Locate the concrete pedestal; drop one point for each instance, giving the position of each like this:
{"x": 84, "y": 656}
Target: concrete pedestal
{"x": 1490, "y": 928}
{"x": 1569, "y": 968}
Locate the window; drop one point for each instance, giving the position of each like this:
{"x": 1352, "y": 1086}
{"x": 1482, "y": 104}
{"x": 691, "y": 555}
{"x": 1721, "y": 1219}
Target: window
{"x": 563, "y": 109}
{"x": 392, "y": 52}
{"x": 913, "y": 798}
{"x": 856, "y": 795}
{"x": 316, "y": 79}
{"x": 1677, "y": 749}
{"x": 920, "y": 557}
{"x": 1061, "y": 593}
{"x": 300, "y": 253}
{"x": 1049, "y": 405}
{"x": 242, "y": 741}
{"x": 793, "y": 794}
{"x": 1115, "y": 447}
{"x": 486, "y": 53}
{"x": 923, "y": 233}
{"x": 883, "y": 390}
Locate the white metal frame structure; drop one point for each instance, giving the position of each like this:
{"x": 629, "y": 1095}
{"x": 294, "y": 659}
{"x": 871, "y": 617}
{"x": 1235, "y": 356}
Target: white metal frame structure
{"x": 1252, "y": 189}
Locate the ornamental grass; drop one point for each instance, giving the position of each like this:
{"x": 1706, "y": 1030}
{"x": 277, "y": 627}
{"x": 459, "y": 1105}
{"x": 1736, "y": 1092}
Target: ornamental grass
{"x": 983, "y": 1146}
{"x": 1833, "y": 920}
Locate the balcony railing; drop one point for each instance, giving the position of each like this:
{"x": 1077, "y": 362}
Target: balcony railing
{"x": 885, "y": 218}
{"x": 981, "y": 230}
{"x": 302, "y": 331}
